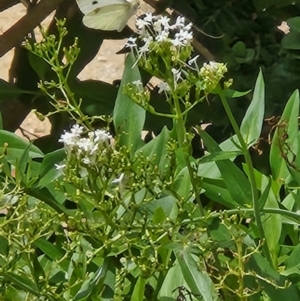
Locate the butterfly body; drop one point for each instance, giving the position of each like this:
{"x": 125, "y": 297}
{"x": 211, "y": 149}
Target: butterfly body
{"x": 107, "y": 14}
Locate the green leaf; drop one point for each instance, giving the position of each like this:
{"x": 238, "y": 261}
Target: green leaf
{"x": 40, "y": 66}
{"x": 220, "y": 234}
{"x": 139, "y": 289}
{"x": 198, "y": 281}
{"x": 129, "y": 118}
{"x": 38, "y": 270}
{"x": 217, "y": 156}
{"x": 286, "y": 132}
{"x": 98, "y": 98}
{"x": 21, "y": 282}
{"x": 291, "y": 40}
{"x": 234, "y": 179}
{"x": 158, "y": 216}
{"x": 167, "y": 203}
{"x": 264, "y": 196}
{"x": 4, "y": 247}
{"x": 210, "y": 169}
{"x": 216, "y": 190}
{"x": 252, "y": 123}
{"x": 235, "y": 94}
{"x": 288, "y": 203}
{"x": 293, "y": 259}
{"x": 48, "y": 173}
{"x": 22, "y": 169}
{"x": 293, "y": 164}
{"x": 8, "y": 90}
{"x": 294, "y": 23}
{"x": 173, "y": 280}
{"x": 95, "y": 285}
{"x": 272, "y": 225}
{"x": 12, "y": 293}
{"x": 261, "y": 266}
{"x": 44, "y": 195}
{"x": 16, "y": 146}
{"x": 156, "y": 151}
{"x": 182, "y": 184}
{"x": 49, "y": 249}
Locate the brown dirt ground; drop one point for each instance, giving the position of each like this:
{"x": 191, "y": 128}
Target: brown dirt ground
{"x": 110, "y": 64}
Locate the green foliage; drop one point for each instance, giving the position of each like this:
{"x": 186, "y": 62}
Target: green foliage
{"x": 112, "y": 216}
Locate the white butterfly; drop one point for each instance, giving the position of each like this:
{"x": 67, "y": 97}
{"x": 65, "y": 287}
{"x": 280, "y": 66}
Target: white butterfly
{"x": 107, "y": 14}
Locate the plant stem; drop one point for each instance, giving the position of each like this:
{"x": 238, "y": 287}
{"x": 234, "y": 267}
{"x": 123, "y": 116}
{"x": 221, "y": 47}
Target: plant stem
{"x": 292, "y": 215}
{"x": 239, "y": 245}
{"x": 181, "y": 132}
{"x": 248, "y": 160}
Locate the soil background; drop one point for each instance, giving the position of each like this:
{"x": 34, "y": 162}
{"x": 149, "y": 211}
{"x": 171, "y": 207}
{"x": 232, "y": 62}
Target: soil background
{"x": 106, "y": 66}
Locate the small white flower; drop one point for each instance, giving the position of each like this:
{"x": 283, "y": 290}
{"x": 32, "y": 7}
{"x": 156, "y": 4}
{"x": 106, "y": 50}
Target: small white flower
{"x": 163, "y": 36}
{"x": 177, "y": 42}
{"x": 141, "y": 24}
{"x": 102, "y": 136}
{"x": 188, "y": 27}
{"x": 60, "y": 166}
{"x": 211, "y": 65}
{"x": 77, "y": 130}
{"x": 86, "y": 161}
{"x": 161, "y": 24}
{"x": 149, "y": 18}
{"x": 145, "y": 47}
{"x": 184, "y": 36}
{"x": 165, "y": 22}
{"x": 85, "y": 144}
{"x": 118, "y": 180}
{"x": 147, "y": 39}
{"x": 193, "y": 60}
{"x": 68, "y": 139}
{"x": 137, "y": 83}
{"x": 71, "y": 138}
{"x": 163, "y": 87}
{"x": 157, "y": 26}
{"x": 179, "y": 22}
{"x": 177, "y": 74}
{"x": 131, "y": 42}
{"x": 94, "y": 149}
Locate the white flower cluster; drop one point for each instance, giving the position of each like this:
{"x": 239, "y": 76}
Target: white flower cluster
{"x": 86, "y": 148}
{"x": 158, "y": 28}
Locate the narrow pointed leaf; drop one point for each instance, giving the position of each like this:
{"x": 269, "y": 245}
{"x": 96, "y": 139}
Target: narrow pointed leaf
{"x": 129, "y": 118}
{"x": 139, "y": 289}
{"x": 252, "y": 123}
{"x": 22, "y": 283}
{"x": 198, "y": 281}
{"x": 235, "y": 180}
{"x": 285, "y": 133}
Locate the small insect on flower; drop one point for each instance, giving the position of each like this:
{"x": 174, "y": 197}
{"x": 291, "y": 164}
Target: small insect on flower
{"x": 107, "y": 14}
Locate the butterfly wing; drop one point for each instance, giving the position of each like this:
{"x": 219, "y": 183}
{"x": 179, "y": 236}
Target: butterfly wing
{"x": 111, "y": 17}
{"x": 87, "y": 6}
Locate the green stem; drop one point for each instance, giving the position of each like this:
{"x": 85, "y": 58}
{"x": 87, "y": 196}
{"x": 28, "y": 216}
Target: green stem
{"x": 248, "y": 160}
{"x": 181, "y": 132}
{"x": 292, "y": 215}
{"x": 239, "y": 245}
{"x": 179, "y": 125}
